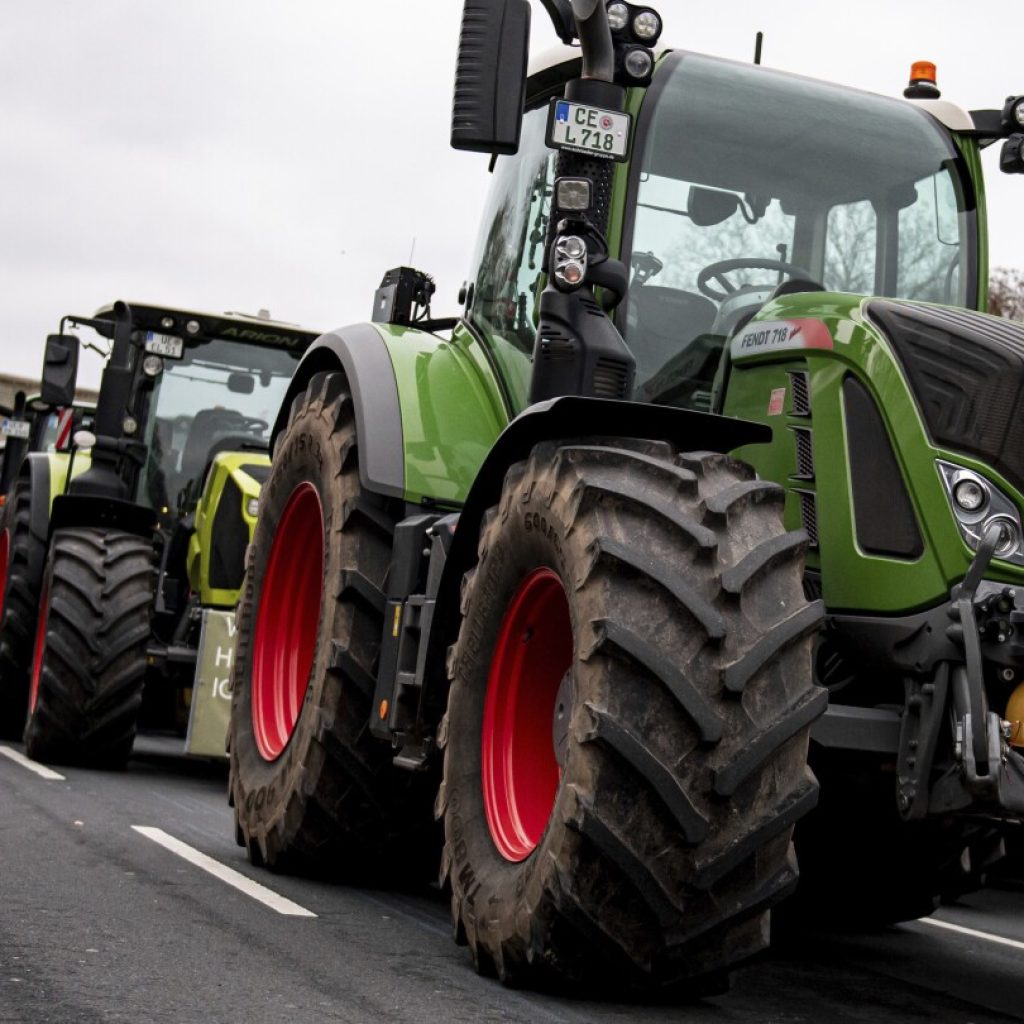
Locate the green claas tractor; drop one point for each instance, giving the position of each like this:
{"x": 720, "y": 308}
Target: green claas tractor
{"x": 126, "y": 553}
{"x": 712, "y": 482}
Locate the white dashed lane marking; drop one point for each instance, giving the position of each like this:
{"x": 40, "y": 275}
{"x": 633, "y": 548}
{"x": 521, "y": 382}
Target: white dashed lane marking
{"x": 233, "y": 878}
{"x": 973, "y": 932}
{"x": 33, "y": 766}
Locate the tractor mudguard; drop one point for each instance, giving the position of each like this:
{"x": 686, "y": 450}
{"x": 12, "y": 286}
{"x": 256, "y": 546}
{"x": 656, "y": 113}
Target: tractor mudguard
{"x": 36, "y": 469}
{"x": 428, "y": 409}
{"x": 224, "y": 526}
{"x": 47, "y": 474}
{"x": 91, "y": 512}
{"x": 360, "y": 353}
{"x": 558, "y": 418}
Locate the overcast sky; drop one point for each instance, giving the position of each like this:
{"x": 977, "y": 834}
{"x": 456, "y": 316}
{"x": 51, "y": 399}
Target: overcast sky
{"x": 239, "y": 154}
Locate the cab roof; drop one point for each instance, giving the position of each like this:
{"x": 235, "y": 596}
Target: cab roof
{"x": 554, "y": 65}
{"x": 241, "y": 327}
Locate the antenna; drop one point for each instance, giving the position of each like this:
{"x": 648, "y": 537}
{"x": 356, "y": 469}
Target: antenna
{"x": 757, "y": 47}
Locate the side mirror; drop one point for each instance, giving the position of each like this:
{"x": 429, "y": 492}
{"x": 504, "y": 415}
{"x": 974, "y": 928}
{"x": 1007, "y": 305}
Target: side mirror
{"x": 60, "y": 370}
{"x": 490, "y": 76}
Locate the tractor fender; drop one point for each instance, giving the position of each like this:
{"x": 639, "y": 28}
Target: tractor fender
{"x": 89, "y": 511}
{"x": 47, "y": 474}
{"x": 36, "y": 470}
{"x": 566, "y": 417}
{"x": 359, "y": 351}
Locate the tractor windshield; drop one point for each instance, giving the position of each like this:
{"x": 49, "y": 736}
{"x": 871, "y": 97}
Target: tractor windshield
{"x": 748, "y": 180}
{"x": 222, "y": 396}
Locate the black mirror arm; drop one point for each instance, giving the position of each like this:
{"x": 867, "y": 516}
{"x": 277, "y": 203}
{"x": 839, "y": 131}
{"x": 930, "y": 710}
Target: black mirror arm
{"x": 560, "y": 12}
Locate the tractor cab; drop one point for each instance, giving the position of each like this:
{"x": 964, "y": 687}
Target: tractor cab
{"x": 745, "y": 183}
{"x": 202, "y": 384}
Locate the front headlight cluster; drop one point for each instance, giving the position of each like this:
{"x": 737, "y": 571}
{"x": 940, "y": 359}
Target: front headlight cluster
{"x": 978, "y": 504}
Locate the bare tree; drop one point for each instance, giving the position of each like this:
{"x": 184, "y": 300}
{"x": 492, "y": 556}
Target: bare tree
{"x": 1006, "y": 293}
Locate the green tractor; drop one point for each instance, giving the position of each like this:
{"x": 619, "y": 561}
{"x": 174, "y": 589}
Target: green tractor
{"x": 712, "y": 481}
{"x": 127, "y": 552}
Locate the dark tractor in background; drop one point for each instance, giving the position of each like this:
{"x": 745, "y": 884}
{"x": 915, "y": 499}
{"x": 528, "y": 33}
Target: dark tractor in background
{"x": 136, "y": 536}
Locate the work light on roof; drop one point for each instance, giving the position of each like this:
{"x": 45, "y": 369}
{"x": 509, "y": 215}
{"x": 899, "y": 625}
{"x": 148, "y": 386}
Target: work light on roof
{"x": 618, "y": 17}
{"x": 192, "y": 327}
{"x": 647, "y": 26}
{"x": 1013, "y": 113}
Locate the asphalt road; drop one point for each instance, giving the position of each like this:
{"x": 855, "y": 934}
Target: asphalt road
{"x": 106, "y": 916}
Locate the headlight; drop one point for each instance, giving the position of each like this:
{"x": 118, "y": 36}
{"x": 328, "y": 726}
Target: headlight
{"x": 618, "y": 16}
{"x": 253, "y": 507}
{"x": 977, "y": 505}
{"x": 638, "y": 62}
{"x": 152, "y": 366}
{"x": 970, "y": 494}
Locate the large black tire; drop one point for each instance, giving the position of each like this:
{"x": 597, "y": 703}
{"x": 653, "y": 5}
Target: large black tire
{"x": 90, "y": 661}
{"x": 320, "y": 795}
{"x": 689, "y": 701}
{"x": 19, "y": 608}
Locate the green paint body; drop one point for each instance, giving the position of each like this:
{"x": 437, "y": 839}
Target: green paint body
{"x": 452, "y": 410}
{"x": 853, "y": 580}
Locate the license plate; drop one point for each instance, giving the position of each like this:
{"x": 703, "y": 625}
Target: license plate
{"x": 164, "y": 345}
{"x": 18, "y": 429}
{"x": 590, "y": 130}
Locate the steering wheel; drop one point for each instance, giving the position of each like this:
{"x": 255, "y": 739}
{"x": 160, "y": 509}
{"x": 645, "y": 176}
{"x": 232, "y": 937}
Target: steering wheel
{"x": 717, "y": 271}
{"x": 255, "y": 425}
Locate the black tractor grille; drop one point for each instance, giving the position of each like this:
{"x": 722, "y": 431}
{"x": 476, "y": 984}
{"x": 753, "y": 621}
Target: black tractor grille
{"x": 804, "y": 454}
{"x": 882, "y": 510}
{"x": 801, "y": 390}
{"x": 966, "y": 371}
{"x": 230, "y": 539}
{"x": 809, "y": 516}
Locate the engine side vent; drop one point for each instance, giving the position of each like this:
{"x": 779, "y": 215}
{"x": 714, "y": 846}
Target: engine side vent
{"x": 800, "y": 387}
{"x": 809, "y": 516}
{"x": 882, "y": 510}
{"x": 804, "y": 453}
{"x": 610, "y": 378}
{"x": 556, "y": 347}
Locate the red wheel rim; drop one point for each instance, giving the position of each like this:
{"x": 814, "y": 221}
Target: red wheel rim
{"x": 39, "y": 648}
{"x": 5, "y": 554}
{"x": 519, "y": 769}
{"x": 287, "y": 622}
